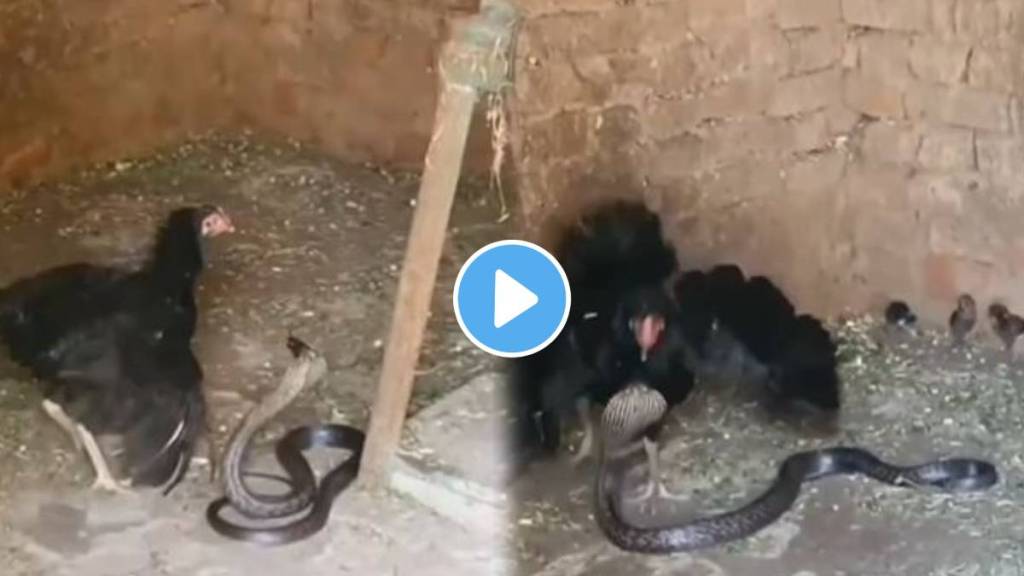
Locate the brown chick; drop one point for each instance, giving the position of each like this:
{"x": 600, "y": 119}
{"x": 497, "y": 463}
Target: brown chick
{"x": 1007, "y": 325}
{"x": 963, "y": 319}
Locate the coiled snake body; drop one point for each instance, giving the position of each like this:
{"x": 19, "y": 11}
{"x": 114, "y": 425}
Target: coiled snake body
{"x": 303, "y": 494}
{"x": 636, "y": 407}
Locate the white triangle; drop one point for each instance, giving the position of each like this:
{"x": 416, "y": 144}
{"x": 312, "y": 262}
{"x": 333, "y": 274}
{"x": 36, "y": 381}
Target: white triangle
{"x": 511, "y": 298}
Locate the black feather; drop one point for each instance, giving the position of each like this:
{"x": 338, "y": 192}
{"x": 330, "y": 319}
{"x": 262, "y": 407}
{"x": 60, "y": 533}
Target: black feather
{"x": 759, "y": 336}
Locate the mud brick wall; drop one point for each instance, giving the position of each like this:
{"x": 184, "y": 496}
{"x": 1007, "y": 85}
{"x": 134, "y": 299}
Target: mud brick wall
{"x": 86, "y": 81}
{"x": 91, "y": 81}
{"x": 853, "y": 149}
{"x": 356, "y": 77}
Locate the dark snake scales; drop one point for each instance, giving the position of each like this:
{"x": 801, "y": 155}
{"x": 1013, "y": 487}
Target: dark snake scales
{"x": 303, "y": 493}
{"x": 636, "y": 407}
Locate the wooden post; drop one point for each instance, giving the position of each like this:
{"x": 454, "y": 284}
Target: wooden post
{"x": 476, "y": 59}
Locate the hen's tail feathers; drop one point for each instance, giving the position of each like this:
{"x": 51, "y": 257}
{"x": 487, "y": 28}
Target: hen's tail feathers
{"x": 798, "y": 351}
{"x": 11, "y": 303}
{"x": 806, "y": 368}
{"x": 535, "y": 386}
{"x": 160, "y": 450}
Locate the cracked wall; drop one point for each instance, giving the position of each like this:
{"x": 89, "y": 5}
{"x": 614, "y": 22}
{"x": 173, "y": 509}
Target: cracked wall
{"x": 856, "y": 150}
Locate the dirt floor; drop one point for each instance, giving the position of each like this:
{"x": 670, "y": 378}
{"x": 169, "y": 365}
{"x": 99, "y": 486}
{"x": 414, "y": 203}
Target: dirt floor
{"x": 318, "y": 251}
{"x": 908, "y": 398}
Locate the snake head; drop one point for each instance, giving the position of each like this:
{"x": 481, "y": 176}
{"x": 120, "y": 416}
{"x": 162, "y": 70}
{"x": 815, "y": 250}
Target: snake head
{"x": 298, "y": 347}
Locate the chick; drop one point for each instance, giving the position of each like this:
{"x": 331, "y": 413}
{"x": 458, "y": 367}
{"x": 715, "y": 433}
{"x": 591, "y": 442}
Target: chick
{"x": 963, "y": 319}
{"x": 898, "y": 313}
{"x": 1006, "y": 325}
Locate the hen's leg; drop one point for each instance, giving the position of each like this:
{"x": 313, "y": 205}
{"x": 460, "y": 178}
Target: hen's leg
{"x": 653, "y": 485}
{"x": 104, "y": 479}
{"x": 54, "y": 411}
{"x": 206, "y": 446}
{"x": 587, "y": 445}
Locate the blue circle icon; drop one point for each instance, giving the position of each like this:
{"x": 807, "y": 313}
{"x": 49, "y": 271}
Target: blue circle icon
{"x": 511, "y": 298}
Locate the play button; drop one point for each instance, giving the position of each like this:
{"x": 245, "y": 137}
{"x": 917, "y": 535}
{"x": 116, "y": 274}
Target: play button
{"x": 511, "y": 298}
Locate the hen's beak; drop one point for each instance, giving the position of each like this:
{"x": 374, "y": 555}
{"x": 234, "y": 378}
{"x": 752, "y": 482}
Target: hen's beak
{"x": 648, "y": 333}
{"x": 226, "y": 226}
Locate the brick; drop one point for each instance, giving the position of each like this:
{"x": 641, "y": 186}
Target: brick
{"x": 936, "y": 61}
{"x": 605, "y": 31}
{"x": 985, "y": 21}
{"x": 851, "y": 55}
{"x": 726, "y": 100}
{"x": 769, "y": 51}
{"x": 841, "y": 119}
{"x": 943, "y": 18}
{"x": 890, "y": 143}
{"x": 722, "y": 54}
{"x": 878, "y": 193}
{"x": 680, "y": 69}
{"x": 662, "y": 20}
{"x": 1000, "y": 158}
{"x": 724, "y": 188}
{"x": 939, "y": 276}
{"x": 762, "y": 10}
{"x": 884, "y": 56}
{"x": 676, "y": 157}
{"x": 563, "y": 135}
{"x": 292, "y": 11}
{"x": 666, "y": 118}
{"x": 713, "y": 15}
{"x": 872, "y": 96}
{"x": 671, "y": 70}
{"x": 904, "y": 15}
{"x": 809, "y": 132}
{"x": 947, "y": 149}
{"x": 816, "y": 173}
{"x": 614, "y": 70}
{"x": 807, "y": 13}
{"x": 722, "y": 143}
{"x": 878, "y": 272}
{"x": 993, "y": 69}
{"x": 966, "y": 239}
{"x": 943, "y": 192}
{"x": 555, "y": 84}
{"x": 538, "y": 8}
{"x": 617, "y": 129}
{"x": 960, "y": 106}
{"x": 803, "y": 93}
{"x": 727, "y": 142}
{"x": 815, "y": 50}
{"x": 670, "y": 117}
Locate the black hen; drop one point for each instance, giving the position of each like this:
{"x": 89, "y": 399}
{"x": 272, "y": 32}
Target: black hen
{"x": 113, "y": 349}
{"x": 622, "y": 325}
